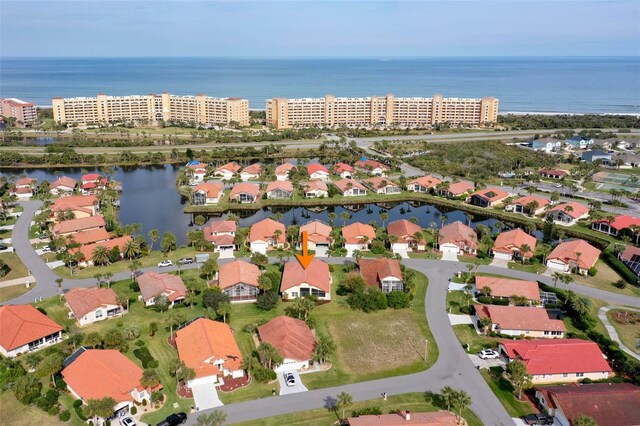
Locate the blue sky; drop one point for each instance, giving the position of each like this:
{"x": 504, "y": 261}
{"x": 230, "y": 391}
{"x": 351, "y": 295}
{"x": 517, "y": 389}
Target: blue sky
{"x": 319, "y": 28}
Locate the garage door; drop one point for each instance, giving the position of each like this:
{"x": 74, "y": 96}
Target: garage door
{"x": 205, "y": 396}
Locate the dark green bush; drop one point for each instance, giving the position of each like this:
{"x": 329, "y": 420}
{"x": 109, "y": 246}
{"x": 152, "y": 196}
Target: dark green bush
{"x": 398, "y": 300}
{"x": 54, "y": 411}
{"x": 65, "y": 416}
{"x": 263, "y": 375}
{"x": 619, "y": 267}
{"x": 143, "y": 354}
{"x": 592, "y": 271}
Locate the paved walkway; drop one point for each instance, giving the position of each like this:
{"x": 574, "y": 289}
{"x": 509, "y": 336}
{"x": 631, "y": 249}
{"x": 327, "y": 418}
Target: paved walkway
{"x": 460, "y": 319}
{"x": 602, "y": 314}
{"x": 17, "y": 281}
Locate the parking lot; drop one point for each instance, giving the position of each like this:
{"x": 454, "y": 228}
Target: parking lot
{"x": 287, "y": 390}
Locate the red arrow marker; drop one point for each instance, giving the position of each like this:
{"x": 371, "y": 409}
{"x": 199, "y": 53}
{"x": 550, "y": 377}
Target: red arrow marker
{"x": 305, "y": 258}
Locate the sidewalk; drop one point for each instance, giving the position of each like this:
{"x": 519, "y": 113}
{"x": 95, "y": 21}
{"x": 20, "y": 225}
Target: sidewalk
{"x": 602, "y": 314}
{"x": 18, "y": 281}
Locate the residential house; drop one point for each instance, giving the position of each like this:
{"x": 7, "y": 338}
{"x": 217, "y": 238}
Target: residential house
{"x": 209, "y": 348}
{"x": 510, "y": 244}
{"x": 280, "y": 190}
{"x": 62, "y": 185}
{"x": 196, "y": 172}
{"x": 578, "y": 142}
{"x": 350, "y": 188}
{"x": 245, "y": 193}
{"x": 315, "y": 189}
{"x": 381, "y": 185}
{"x": 90, "y": 182}
{"x": 317, "y": 171}
{"x": 423, "y": 184}
{"x": 605, "y": 144}
{"x": 89, "y": 237}
{"x": 506, "y": 288}
{"x": 343, "y": 170}
{"x": 625, "y": 160}
{"x": 105, "y": 373}
{"x": 153, "y": 285}
{"x": 629, "y": 143}
{"x": 573, "y": 255}
{"x": 73, "y": 226}
{"x": 522, "y": 321}
{"x": 457, "y": 238}
{"x": 78, "y": 205}
{"x": 568, "y": 214}
{"x": 283, "y": 170}
{"x": 531, "y": 205}
{"x": 89, "y": 305}
{"x": 553, "y": 173}
{"x": 406, "y": 418}
{"x": 24, "y": 187}
{"x": 487, "y": 197}
{"x": 455, "y": 189}
{"x": 26, "y": 329}
{"x": 250, "y": 172}
{"x": 266, "y": 235}
{"x": 608, "y": 404}
{"x": 222, "y": 234}
{"x": 292, "y": 338}
{"x": 227, "y": 171}
{"x": 408, "y": 236}
{"x": 630, "y": 256}
{"x": 357, "y": 236}
{"x": 596, "y": 155}
{"x": 547, "y": 145}
{"x": 87, "y": 250}
{"x": 239, "y": 281}
{"x": 382, "y": 273}
{"x": 318, "y": 237}
{"x": 372, "y": 167}
{"x": 206, "y": 193}
{"x": 314, "y": 280}
{"x": 622, "y": 224}
{"x": 558, "y": 360}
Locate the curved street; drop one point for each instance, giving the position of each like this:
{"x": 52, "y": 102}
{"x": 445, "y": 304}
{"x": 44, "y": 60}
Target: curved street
{"x": 452, "y": 368}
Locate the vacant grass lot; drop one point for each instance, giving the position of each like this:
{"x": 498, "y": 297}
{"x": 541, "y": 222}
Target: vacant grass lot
{"x": 416, "y": 402}
{"x": 17, "y": 268}
{"x": 628, "y": 333}
{"x": 16, "y": 414}
{"x": 604, "y": 280}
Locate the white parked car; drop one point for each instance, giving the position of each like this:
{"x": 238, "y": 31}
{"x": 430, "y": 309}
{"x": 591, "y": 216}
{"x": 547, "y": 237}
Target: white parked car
{"x": 290, "y": 379}
{"x": 165, "y": 263}
{"x": 46, "y": 249}
{"x": 488, "y": 354}
{"x": 127, "y": 421}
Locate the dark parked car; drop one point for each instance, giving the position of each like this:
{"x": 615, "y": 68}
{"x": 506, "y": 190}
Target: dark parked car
{"x": 174, "y": 419}
{"x": 538, "y": 419}
{"x": 3, "y": 247}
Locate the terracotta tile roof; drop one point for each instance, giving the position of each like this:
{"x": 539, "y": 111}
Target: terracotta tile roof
{"x": 238, "y": 272}
{"x": 221, "y": 240}
{"x": 252, "y": 189}
{"x": 203, "y": 342}
{"x": 22, "y": 190}
{"x": 404, "y": 230}
{"x": 22, "y": 324}
{"x": 315, "y": 185}
{"x": 212, "y": 189}
{"x": 609, "y": 404}
{"x": 91, "y": 236}
{"x": 283, "y": 185}
{"x": 374, "y": 270}
{"x": 621, "y": 222}
{"x": 284, "y": 169}
{"x": 492, "y": 194}
{"x": 458, "y": 233}
{"x": 291, "y": 337}
{"x": 84, "y": 300}
{"x": 553, "y": 172}
{"x": 353, "y": 233}
{"x": 316, "y": 168}
{"x": 459, "y": 188}
{"x": 342, "y": 167}
{"x": 81, "y": 224}
{"x": 507, "y": 287}
{"x": 379, "y": 182}
{"x": 567, "y": 252}
{"x": 519, "y": 318}
{"x": 426, "y": 181}
{"x": 233, "y": 167}
{"x": 153, "y": 284}
{"x": 440, "y": 418}
{"x": 221, "y": 226}
{"x": 97, "y": 374}
{"x": 557, "y": 356}
{"x": 87, "y": 249}
{"x": 316, "y": 275}
{"x": 91, "y": 177}
{"x": 265, "y": 230}
{"x": 344, "y": 185}
{"x": 507, "y": 241}
{"x": 523, "y": 201}
{"x": 576, "y": 210}
{"x": 253, "y": 169}
{"x": 25, "y": 181}
{"x": 63, "y": 181}
{"x": 317, "y": 231}
{"x": 370, "y": 164}
{"x": 75, "y": 202}
{"x": 629, "y": 253}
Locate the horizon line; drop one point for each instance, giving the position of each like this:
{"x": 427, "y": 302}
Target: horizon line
{"x": 380, "y": 57}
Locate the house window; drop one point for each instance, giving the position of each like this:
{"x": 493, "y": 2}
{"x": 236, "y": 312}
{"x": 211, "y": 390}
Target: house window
{"x": 294, "y": 294}
{"x": 99, "y": 313}
{"x": 579, "y": 374}
{"x": 565, "y": 375}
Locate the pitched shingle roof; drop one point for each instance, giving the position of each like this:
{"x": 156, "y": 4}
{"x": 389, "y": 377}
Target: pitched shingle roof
{"x": 315, "y": 168}
{"x": 507, "y": 287}
{"x": 507, "y": 241}
{"x": 317, "y": 231}
{"x": 237, "y": 272}
{"x": 344, "y": 185}
{"x": 404, "y": 230}
{"x": 373, "y": 270}
{"x": 291, "y": 337}
{"x": 568, "y": 252}
{"x": 426, "y": 181}
{"x": 519, "y": 318}
{"x": 353, "y": 233}
{"x": 283, "y": 185}
{"x": 575, "y": 210}
{"x": 153, "y": 284}
{"x": 80, "y": 224}
{"x": 252, "y": 189}
{"x": 316, "y": 275}
{"x": 87, "y": 249}
{"x": 456, "y": 233}
{"x": 265, "y": 230}
{"x": 84, "y": 300}
{"x": 212, "y": 189}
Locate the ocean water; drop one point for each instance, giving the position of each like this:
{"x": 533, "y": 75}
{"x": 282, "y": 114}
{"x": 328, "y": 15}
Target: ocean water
{"x": 574, "y": 84}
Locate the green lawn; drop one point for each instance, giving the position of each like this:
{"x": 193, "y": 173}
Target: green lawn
{"x": 8, "y": 293}
{"x": 534, "y": 268}
{"x": 504, "y": 390}
{"x": 629, "y": 333}
{"x": 16, "y": 267}
{"x": 16, "y": 414}
{"x": 604, "y": 280}
{"x": 457, "y": 300}
{"x": 466, "y": 333}
{"x": 416, "y": 402}
{"x": 474, "y": 259}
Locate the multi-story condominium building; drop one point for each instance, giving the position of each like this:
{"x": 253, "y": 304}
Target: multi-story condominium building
{"x": 384, "y": 111}
{"x": 151, "y": 109}
{"x": 24, "y": 112}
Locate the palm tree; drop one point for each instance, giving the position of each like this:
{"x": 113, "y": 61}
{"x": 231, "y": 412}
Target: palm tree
{"x": 332, "y": 217}
{"x": 384, "y": 216}
{"x": 357, "y": 255}
{"x": 344, "y": 401}
{"x": 134, "y": 266}
{"x": 131, "y": 249}
{"x": 101, "y": 256}
{"x": 524, "y": 249}
{"x": 154, "y": 235}
{"x": 447, "y": 393}
{"x": 345, "y": 216}
{"x": 215, "y": 418}
{"x": 462, "y": 400}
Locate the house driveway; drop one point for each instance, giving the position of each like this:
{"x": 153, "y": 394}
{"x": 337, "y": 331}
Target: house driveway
{"x": 449, "y": 255}
{"x": 205, "y": 396}
{"x": 500, "y": 263}
{"x": 288, "y": 390}
{"x": 486, "y": 363}
{"x": 460, "y": 319}
{"x": 226, "y": 254}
